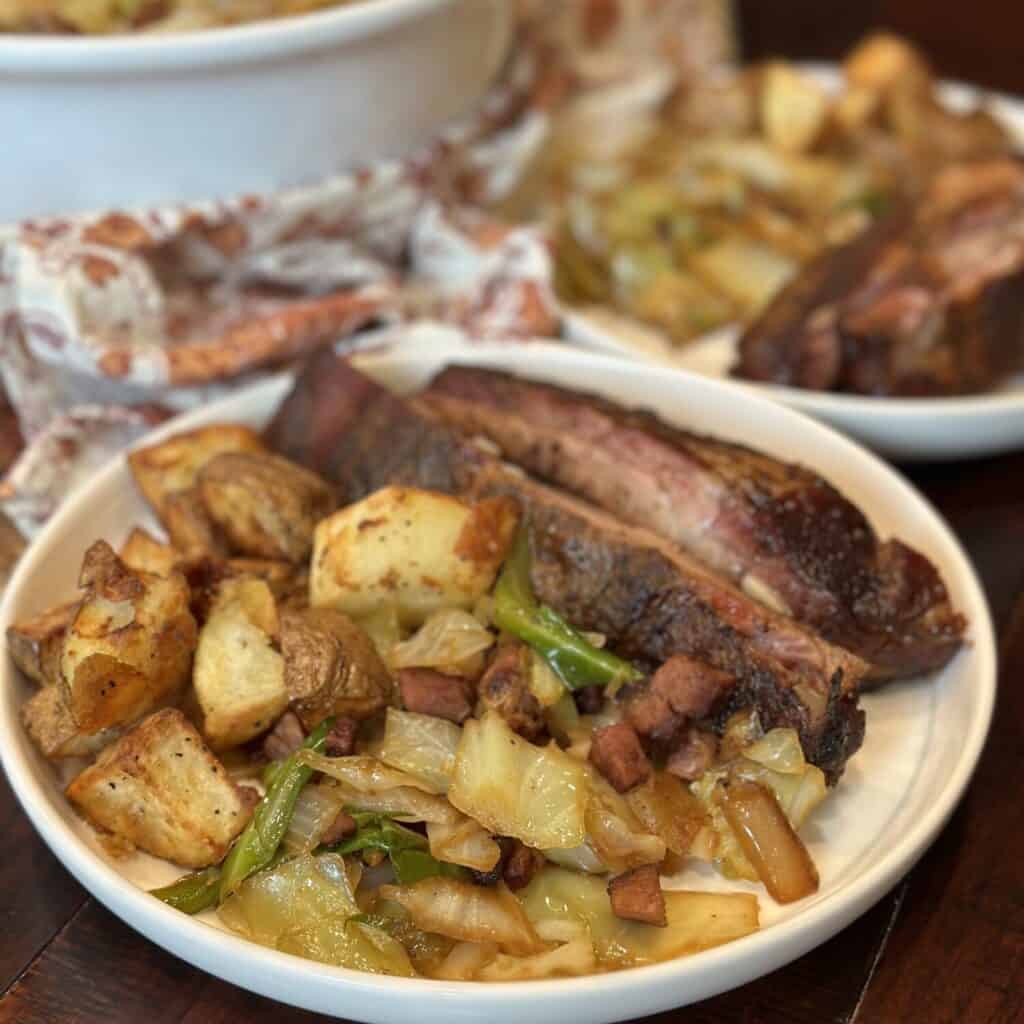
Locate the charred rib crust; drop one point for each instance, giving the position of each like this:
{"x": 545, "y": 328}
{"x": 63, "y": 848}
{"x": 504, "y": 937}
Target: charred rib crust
{"x": 776, "y": 528}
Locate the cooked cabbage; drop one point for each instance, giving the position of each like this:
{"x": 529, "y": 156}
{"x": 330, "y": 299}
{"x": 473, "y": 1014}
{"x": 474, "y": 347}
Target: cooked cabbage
{"x": 315, "y": 810}
{"x": 579, "y": 858}
{"x": 470, "y": 913}
{"x": 451, "y": 641}
{"x": 291, "y": 895}
{"x": 426, "y": 950}
{"x": 669, "y": 810}
{"x": 513, "y": 788}
{"x": 544, "y": 684}
{"x": 383, "y": 628}
{"x": 563, "y": 719}
{"x": 353, "y": 944}
{"x": 368, "y": 784}
{"x": 616, "y": 835}
{"x": 464, "y": 842}
{"x": 572, "y": 958}
{"x": 423, "y": 746}
{"x": 465, "y": 961}
{"x": 696, "y": 920}
{"x": 798, "y": 789}
{"x": 305, "y": 906}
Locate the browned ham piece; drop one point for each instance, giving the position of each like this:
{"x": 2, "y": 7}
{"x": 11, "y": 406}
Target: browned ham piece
{"x": 637, "y": 896}
{"x": 647, "y": 597}
{"x": 616, "y": 753}
{"x": 929, "y": 301}
{"x": 433, "y": 693}
{"x": 779, "y": 531}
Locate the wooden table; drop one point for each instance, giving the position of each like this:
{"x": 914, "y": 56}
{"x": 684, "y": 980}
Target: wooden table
{"x": 946, "y": 945}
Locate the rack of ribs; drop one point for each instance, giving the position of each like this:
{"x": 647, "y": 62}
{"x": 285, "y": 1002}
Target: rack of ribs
{"x": 780, "y": 532}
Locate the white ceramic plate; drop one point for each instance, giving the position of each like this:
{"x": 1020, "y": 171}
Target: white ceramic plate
{"x": 906, "y": 429}
{"x": 923, "y": 737}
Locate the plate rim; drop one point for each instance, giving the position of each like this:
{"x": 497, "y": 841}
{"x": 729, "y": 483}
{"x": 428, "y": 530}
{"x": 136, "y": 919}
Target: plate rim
{"x": 645, "y": 989}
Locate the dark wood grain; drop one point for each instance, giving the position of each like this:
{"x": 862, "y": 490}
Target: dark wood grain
{"x": 38, "y": 895}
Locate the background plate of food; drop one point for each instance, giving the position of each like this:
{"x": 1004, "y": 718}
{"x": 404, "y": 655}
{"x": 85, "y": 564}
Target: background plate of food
{"x": 540, "y": 940}
{"x": 849, "y": 237}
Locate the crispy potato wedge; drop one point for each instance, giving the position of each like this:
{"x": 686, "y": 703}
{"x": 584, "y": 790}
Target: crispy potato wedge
{"x": 266, "y": 506}
{"x": 53, "y": 729}
{"x": 35, "y": 644}
{"x": 129, "y": 646}
{"x": 172, "y": 465}
{"x": 794, "y": 108}
{"x": 190, "y": 527}
{"x": 141, "y": 550}
{"x": 331, "y": 667}
{"x": 416, "y": 550}
{"x": 160, "y": 789}
{"x": 239, "y": 670}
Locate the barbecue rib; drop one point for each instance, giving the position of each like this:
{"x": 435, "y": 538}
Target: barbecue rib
{"x": 650, "y": 599}
{"x": 929, "y": 301}
{"x": 781, "y": 532}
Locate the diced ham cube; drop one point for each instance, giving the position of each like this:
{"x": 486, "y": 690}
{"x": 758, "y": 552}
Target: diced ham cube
{"x": 637, "y": 896}
{"x": 433, "y": 693}
{"x": 616, "y": 753}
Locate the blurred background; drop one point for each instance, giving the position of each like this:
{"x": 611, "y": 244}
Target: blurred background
{"x": 979, "y": 42}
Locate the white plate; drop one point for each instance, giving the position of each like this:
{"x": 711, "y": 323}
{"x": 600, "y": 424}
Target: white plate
{"x": 923, "y": 737}
{"x": 901, "y": 428}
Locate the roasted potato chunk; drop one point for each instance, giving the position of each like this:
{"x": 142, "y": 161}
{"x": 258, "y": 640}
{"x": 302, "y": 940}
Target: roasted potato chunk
{"x": 288, "y": 583}
{"x": 416, "y": 550}
{"x": 883, "y": 61}
{"x": 266, "y": 506}
{"x": 35, "y": 644}
{"x": 331, "y": 667}
{"x": 54, "y": 730}
{"x": 239, "y": 670}
{"x": 794, "y": 108}
{"x": 160, "y": 789}
{"x": 130, "y": 644}
{"x": 173, "y": 465}
{"x": 190, "y": 527}
{"x": 141, "y": 550}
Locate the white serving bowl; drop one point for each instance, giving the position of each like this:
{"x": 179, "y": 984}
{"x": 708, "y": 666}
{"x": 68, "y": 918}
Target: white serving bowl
{"x": 922, "y": 743}
{"x": 92, "y": 123}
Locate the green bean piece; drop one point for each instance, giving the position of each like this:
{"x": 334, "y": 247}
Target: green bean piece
{"x": 407, "y": 850}
{"x": 572, "y": 657}
{"x": 194, "y": 893}
{"x": 256, "y": 846}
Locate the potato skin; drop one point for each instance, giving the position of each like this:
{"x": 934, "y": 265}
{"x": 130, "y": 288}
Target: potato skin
{"x": 54, "y": 731}
{"x": 129, "y": 646}
{"x": 331, "y": 667}
{"x": 266, "y": 506}
{"x": 416, "y": 550}
{"x": 189, "y": 526}
{"x": 35, "y": 643}
{"x": 239, "y": 672}
{"x": 172, "y": 465}
{"x": 160, "y": 789}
